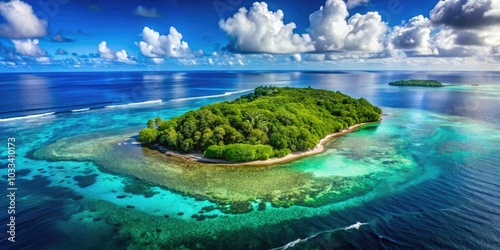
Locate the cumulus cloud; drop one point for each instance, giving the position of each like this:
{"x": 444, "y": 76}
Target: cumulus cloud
{"x": 366, "y": 32}
{"x": 330, "y": 29}
{"x": 43, "y": 60}
{"x": 21, "y": 22}
{"x": 466, "y": 13}
{"x": 104, "y": 51}
{"x": 159, "y": 46}
{"x": 469, "y": 38}
{"x": 413, "y": 37}
{"x": 450, "y": 31}
{"x": 296, "y": 57}
{"x": 353, "y": 3}
{"x": 147, "y": 12}
{"x": 453, "y": 43}
{"x": 121, "y": 56}
{"x": 108, "y": 54}
{"x": 29, "y": 47}
{"x": 467, "y": 28}
{"x": 328, "y": 26}
{"x": 260, "y": 30}
{"x": 157, "y": 60}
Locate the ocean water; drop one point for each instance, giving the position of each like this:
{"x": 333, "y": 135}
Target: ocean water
{"x": 425, "y": 177}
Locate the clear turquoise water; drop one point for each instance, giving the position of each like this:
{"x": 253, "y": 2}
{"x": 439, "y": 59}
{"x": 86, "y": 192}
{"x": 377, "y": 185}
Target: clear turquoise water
{"x": 432, "y": 163}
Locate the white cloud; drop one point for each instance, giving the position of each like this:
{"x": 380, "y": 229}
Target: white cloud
{"x": 331, "y": 31}
{"x": 147, "y": 12}
{"x": 328, "y": 26}
{"x": 467, "y": 28}
{"x": 44, "y": 60}
{"x": 260, "y": 30}
{"x": 108, "y": 54}
{"x": 105, "y": 52}
{"x": 210, "y": 61}
{"x": 353, "y": 3}
{"x": 158, "y": 46}
{"x": 157, "y": 60}
{"x": 366, "y": 32}
{"x": 121, "y": 56}
{"x": 458, "y": 43}
{"x": 413, "y": 37}
{"x": 296, "y": 57}
{"x": 21, "y": 22}
{"x": 362, "y": 36}
{"x": 29, "y": 47}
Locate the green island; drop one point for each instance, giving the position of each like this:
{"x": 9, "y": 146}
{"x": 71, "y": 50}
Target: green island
{"x": 421, "y": 83}
{"x": 270, "y": 122}
{"x": 227, "y": 189}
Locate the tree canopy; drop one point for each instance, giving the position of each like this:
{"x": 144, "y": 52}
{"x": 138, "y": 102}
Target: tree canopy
{"x": 422, "y": 83}
{"x": 284, "y": 119}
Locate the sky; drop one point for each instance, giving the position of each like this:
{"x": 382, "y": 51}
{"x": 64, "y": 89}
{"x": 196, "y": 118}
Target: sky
{"x": 101, "y": 35}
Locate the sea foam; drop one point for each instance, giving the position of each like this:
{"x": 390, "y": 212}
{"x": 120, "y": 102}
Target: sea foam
{"x": 134, "y": 104}
{"x": 80, "y": 110}
{"x": 211, "y": 96}
{"x": 290, "y": 244}
{"x": 26, "y": 117}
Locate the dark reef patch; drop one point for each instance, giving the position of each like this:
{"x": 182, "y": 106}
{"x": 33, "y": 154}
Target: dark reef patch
{"x": 23, "y": 172}
{"x": 84, "y": 181}
{"x": 138, "y": 187}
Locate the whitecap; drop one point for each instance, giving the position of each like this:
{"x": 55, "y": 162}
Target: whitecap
{"x": 134, "y": 104}
{"x": 80, "y": 110}
{"x": 26, "y": 117}
{"x": 211, "y": 96}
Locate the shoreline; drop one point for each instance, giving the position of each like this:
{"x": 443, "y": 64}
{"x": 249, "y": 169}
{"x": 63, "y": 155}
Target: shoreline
{"x": 199, "y": 158}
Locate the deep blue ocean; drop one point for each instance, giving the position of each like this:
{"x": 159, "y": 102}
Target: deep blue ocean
{"x": 450, "y": 135}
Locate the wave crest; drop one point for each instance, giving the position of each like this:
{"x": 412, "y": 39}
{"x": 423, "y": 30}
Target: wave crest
{"x": 80, "y": 110}
{"x": 290, "y": 244}
{"x": 134, "y": 104}
{"x": 211, "y": 96}
{"x": 26, "y": 117}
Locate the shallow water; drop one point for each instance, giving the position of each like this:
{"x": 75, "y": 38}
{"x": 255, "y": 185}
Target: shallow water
{"x": 428, "y": 172}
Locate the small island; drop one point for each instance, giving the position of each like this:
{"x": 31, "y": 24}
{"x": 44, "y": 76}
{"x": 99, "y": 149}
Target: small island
{"x": 421, "y": 83}
{"x": 270, "y": 122}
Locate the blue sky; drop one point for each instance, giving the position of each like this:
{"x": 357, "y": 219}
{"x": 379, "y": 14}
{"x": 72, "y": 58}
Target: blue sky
{"x": 72, "y": 35}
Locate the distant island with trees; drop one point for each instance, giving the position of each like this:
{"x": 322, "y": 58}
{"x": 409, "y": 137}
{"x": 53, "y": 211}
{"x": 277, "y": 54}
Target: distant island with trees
{"x": 421, "y": 83}
{"x": 270, "y": 122}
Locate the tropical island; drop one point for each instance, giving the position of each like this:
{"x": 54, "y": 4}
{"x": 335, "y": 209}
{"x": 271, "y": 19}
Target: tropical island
{"x": 421, "y": 83}
{"x": 270, "y": 122}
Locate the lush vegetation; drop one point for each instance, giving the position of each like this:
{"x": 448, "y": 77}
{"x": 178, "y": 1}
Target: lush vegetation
{"x": 270, "y": 122}
{"x": 240, "y": 152}
{"x": 422, "y": 83}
